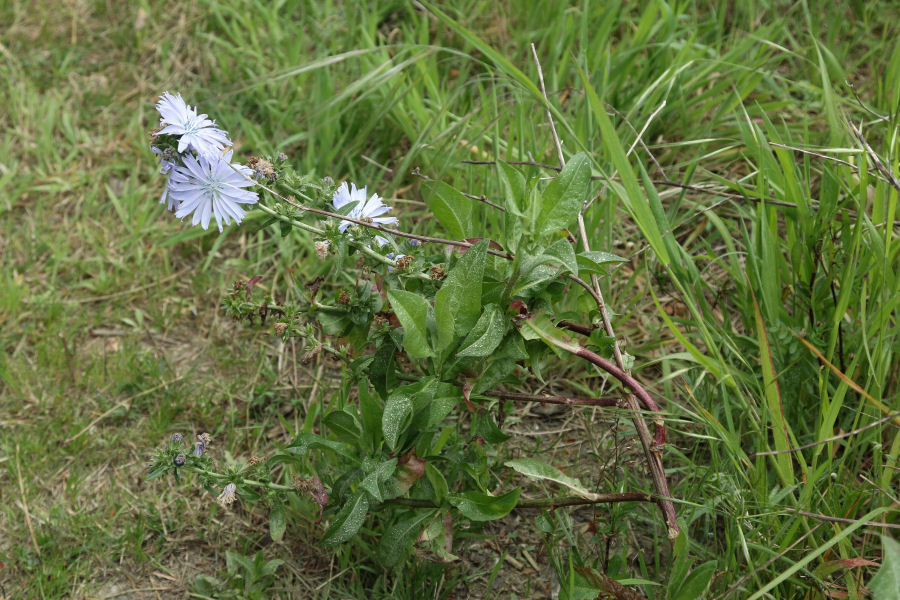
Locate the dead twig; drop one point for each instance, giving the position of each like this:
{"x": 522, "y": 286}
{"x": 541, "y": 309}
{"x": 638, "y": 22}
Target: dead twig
{"x": 567, "y": 400}
{"x": 828, "y": 519}
{"x": 482, "y": 198}
{"x": 875, "y": 159}
{"x": 559, "y": 152}
{"x": 827, "y": 440}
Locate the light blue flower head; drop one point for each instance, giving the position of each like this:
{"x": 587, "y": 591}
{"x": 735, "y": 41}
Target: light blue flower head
{"x": 210, "y": 187}
{"x": 194, "y": 131}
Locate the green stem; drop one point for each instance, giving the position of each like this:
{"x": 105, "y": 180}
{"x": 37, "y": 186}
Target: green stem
{"x": 321, "y": 232}
{"x": 542, "y": 502}
{"x": 252, "y": 482}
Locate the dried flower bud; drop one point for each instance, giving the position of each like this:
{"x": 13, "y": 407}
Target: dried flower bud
{"x": 437, "y": 273}
{"x": 280, "y": 328}
{"x": 228, "y": 496}
{"x": 253, "y": 461}
{"x": 380, "y": 321}
{"x": 322, "y": 249}
{"x": 180, "y": 460}
{"x": 238, "y": 285}
{"x": 282, "y": 157}
{"x": 262, "y": 168}
{"x": 343, "y": 298}
{"x": 404, "y": 262}
{"x": 312, "y": 486}
{"x": 310, "y": 354}
{"x": 205, "y": 438}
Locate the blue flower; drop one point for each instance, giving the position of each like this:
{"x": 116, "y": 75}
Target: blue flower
{"x": 210, "y": 187}
{"x": 365, "y": 209}
{"x": 196, "y": 132}
{"x": 177, "y": 437}
{"x": 198, "y": 449}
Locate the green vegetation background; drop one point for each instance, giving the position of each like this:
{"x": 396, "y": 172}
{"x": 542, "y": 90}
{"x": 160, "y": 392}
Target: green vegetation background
{"x": 112, "y": 335}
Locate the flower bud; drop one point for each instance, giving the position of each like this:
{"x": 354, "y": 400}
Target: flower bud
{"x": 228, "y": 496}
{"x": 180, "y": 460}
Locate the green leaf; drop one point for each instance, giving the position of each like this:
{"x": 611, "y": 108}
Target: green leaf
{"x": 513, "y": 183}
{"x": 412, "y": 310}
{"x": 696, "y": 584}
{"x": 348, "y": 521}
{"x": 596, "y": 261}
{"x": 515, "y": 196}
{"x": 438, "y": 483}
{"x": 397, "y": 414}
{"x": 396, "y": 542}
{"x": 885, "y": 585}
{"x": 539, "y": 327}
{"x": 304, "y": 441}
{"x": 565, "y": 195}
{"x": 483, "y": 425}
{"x": 562, "y": 252}
{"x": 277, "y": 522}
{"x": 371, "y": 411}
{"x": 374, "y": 481}
{"x": 380, "y": 369}
{"x": 538, "y": 469}
{"x": 451, "y": 208}
{"x": 343, "y": 425}
{"x": 458, "y": 302}
{"x": 487, "y": 333}
{"x": 481, "y": 507}
{"x": 537, "y": 275}
{"x": 433, "y": 406}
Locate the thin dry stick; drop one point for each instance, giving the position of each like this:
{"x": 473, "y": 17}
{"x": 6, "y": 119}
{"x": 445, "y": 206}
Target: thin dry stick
{"x": 652, "y": 450}
{"x": 559, "y": 152}
{"x": 778, "y": 556}
{"x": 482, "y": 198}
{"x": 637, "y": 140}
{"x": 640, "y": 135}
{"x": 693, "y": 188}
{"x": 853, "y": 167}
{"x": 841, "y": 519}
{"x": 28, "y": 523}
{"x": 567, "y": 400}
{"x": 875, "y": 159}
{"x": 825, "y": 441}
{"x": 866, "y": 108}
{"x": 881, "y": 489}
